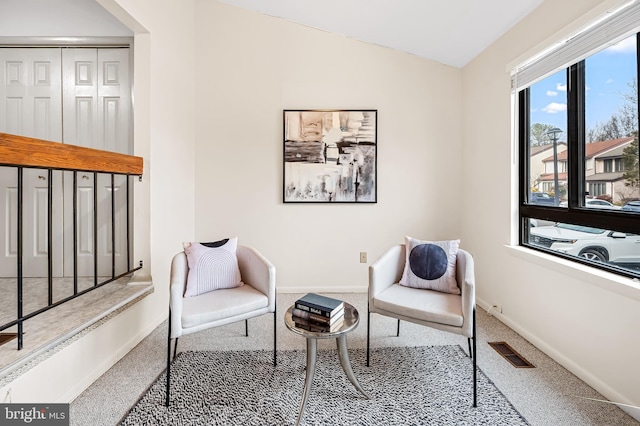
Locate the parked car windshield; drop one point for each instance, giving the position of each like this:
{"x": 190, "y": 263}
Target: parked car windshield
{"x": 580, "y": 228}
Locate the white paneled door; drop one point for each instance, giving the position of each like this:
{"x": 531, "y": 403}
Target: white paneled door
{"x": 97, "y": 107}
{"x": 30, "y": 105}
{"x": 79, "y": 96}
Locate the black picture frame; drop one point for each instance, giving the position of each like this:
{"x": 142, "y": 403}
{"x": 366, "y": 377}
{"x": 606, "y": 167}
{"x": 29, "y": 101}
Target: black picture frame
{"x": 330, "y": 156}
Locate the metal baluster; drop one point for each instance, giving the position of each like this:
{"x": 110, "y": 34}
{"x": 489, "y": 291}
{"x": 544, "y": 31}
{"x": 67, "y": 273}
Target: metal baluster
{"x": 113, "y": 226}
{"x": 20, "y": 236}
{"x": 128, "y": 226}
{"x": 50, "y": 235}
{"x": 95, "y": 229}
{"x": 75, "y": 232}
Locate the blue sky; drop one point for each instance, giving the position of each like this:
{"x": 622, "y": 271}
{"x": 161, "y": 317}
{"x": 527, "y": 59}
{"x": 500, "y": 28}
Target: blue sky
{"x": 608, "y": 73}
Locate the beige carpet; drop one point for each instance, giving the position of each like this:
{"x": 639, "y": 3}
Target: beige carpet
{"x": 425, "y": 385}
{"x": 545, "y": 395}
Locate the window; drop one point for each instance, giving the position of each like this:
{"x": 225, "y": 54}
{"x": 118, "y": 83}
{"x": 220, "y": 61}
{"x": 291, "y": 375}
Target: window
{"x": 608, "y": 166}
{"x": 613, "y": 165}
{"x": 578, "y": 136}
{"x": 598, "y": 188}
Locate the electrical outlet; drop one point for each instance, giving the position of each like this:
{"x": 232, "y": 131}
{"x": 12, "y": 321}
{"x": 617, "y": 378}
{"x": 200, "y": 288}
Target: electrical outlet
{"x": 497, "y": 308}
{"x": 363, "y": 257}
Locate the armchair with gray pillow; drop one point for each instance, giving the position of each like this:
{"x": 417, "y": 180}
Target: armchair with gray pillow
{"x": 427, "y": 283}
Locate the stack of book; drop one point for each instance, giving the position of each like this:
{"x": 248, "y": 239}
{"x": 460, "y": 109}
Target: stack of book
{"x": 314, "y": 312}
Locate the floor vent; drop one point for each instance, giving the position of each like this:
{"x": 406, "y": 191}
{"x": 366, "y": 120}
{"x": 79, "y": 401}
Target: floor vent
{"x": 7, "y": 337}
{"x": 511, "y": 355}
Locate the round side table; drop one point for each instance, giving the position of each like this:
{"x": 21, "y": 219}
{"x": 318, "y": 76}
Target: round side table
{"x": 351, "y": 320}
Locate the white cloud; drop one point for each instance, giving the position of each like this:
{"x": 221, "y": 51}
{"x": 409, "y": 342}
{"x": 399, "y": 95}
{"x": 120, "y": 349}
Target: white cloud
{"x": 561, "y": 87}
{"x": 625, "y": 46}
{"x": 552, "y": 93}
{"x": 609, "y": 81}
{"x": 554, "y": 108}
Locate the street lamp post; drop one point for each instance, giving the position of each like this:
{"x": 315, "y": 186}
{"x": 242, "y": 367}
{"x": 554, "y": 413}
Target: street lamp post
{"x": 554, "y": 134}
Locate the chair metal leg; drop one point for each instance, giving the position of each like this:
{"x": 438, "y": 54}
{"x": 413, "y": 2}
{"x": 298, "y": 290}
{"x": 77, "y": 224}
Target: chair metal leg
{"x": 175, "y": 349}
{"x": 168, "y": 358}
{"x": 398, "y": 332}
{"x": 246, "y": 328}
{"x": 368, "y": 331}
{"x": 275, "y": 361}
{"x": 469, "y": 342}
{"x": 475, "y": 360}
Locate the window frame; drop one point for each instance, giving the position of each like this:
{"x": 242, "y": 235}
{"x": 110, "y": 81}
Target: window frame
{"x": 575, "y": 212}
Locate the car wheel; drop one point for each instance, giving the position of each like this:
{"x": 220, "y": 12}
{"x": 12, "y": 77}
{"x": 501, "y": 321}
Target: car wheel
{"x": 594, "y": 254}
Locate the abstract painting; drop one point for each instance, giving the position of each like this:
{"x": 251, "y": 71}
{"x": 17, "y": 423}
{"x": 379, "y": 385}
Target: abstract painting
{"x": 330, "y": 156}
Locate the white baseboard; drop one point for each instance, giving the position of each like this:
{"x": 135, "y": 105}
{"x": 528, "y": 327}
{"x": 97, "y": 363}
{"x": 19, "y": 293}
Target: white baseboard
{"x": 321, "y": 289}
{"x": 611, "y": 394}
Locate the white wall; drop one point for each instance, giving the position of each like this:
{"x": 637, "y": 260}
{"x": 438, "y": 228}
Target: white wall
{"x": 586, "y": 320}
{"x": 249, "y": 68}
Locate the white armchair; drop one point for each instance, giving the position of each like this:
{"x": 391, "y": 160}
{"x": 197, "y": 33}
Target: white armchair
{"x": 192, "y": 314}
{"x": 442, "y": 311}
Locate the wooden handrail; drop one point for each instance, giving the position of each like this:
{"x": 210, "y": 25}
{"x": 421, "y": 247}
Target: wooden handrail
{"x": 30, "y": 152}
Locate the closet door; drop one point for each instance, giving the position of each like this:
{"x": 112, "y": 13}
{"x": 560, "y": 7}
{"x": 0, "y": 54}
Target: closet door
{"x": 97, "y": 109}
{"x": 30, "y": 88}
{"x": 30, "y": 105}
{"x": 92, "y": 87}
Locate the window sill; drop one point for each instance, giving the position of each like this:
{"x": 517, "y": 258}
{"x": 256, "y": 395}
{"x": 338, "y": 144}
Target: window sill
{"x": 628, "y": 287}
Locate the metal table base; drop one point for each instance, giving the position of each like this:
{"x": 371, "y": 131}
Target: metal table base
{"x": 350, "y": 323}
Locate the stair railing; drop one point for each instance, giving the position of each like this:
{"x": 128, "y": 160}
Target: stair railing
{"x": 22, "y": 153}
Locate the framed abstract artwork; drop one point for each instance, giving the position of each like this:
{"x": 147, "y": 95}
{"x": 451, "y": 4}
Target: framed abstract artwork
{"x": 330, "y": 156}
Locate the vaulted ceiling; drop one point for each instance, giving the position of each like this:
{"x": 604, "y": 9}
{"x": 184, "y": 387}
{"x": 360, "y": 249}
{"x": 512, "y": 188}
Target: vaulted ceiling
{"x": 452, "y": 32}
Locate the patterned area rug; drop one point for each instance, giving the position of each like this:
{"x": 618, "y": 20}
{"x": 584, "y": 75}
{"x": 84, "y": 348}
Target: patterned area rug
{"x": 408, "y": 386}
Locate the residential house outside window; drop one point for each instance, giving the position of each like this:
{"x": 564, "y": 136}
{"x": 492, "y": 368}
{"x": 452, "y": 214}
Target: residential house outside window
{"x": 578, "y": 137}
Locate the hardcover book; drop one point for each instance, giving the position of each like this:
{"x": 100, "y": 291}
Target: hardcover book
{"x": 316, "y": 327}
{"x": 320, "y": 305}
{"x": 299, "y": 313}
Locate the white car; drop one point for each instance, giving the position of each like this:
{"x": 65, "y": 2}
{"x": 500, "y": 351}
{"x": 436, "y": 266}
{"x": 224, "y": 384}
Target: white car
{"x": 590, "y": 243}
{"x": 596, "y": 204}
{"x": 601, "y": 204}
